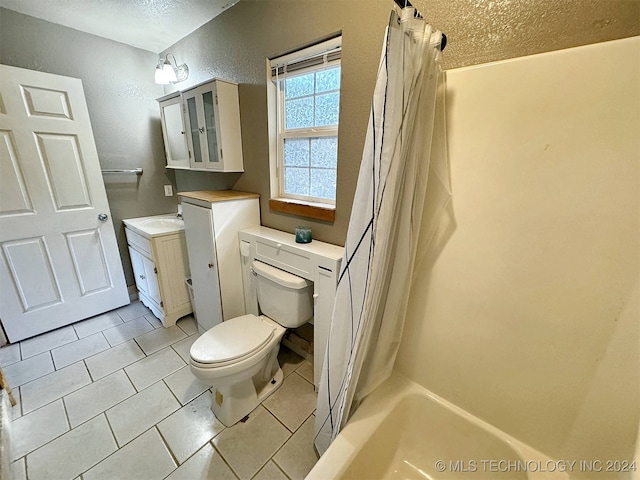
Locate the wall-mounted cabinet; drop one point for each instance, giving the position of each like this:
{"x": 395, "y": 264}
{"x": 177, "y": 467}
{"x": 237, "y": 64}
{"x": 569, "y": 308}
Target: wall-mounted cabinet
{"x": 201, "y": 128}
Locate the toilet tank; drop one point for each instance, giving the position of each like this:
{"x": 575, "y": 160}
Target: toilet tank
{"x": 282, "y": 296}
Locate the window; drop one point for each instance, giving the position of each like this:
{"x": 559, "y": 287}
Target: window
{"x": 304, "y": 104}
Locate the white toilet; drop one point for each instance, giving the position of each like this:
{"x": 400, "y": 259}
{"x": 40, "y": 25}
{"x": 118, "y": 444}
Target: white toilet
{"x": 238, "y": 357}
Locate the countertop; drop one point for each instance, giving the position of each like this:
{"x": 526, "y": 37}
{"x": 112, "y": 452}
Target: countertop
{"x": 155, "y": 225}
{"x": 213, "y": 196}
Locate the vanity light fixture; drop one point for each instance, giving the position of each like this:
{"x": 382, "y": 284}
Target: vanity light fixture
{"x": 170, "y": 72}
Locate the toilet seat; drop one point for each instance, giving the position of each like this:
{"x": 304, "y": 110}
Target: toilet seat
{"x": 231, "y": 341}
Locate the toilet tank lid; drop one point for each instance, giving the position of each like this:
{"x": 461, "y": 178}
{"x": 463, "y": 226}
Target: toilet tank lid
{"x": 281, "y": 277}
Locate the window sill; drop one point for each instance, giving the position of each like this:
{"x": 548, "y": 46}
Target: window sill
{"x": 304, "y": 209}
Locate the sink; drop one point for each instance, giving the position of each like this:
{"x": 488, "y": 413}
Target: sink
{"x": 163, "y": 222}
{"x": 155, "y": 225}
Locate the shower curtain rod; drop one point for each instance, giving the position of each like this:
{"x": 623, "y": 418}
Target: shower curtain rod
{"x": 417, "y": 14}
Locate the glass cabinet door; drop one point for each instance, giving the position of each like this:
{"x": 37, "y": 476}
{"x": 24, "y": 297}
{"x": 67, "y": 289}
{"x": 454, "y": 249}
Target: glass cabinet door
{"x": 174, "y": 135}
{"x": 209, "y": 108}
{"x": 194, "y": 133}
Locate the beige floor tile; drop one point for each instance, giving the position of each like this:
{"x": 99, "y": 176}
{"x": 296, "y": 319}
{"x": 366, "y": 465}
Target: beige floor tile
{"x": 79, "y": 350}
{"x": 297, "y": 457}
{"x": 16, "y": 410}
{"x": 9, "y": 354}
{"x": 53, "y": 386}
{"x": 158, "y": 339}
{"x": 207, "y": 464}
{"x": 185, "y": 386}
{"x": 248, "y": 446}
{"x": 127, "y": 331}
{"x": 19, "y": 470}
{"x": 97, "y": 397}
{"x": 97, "y": 324}
{"x": 72, "y": 453}
{"x": 183, "y": 346}
{"x": 288, "y": 360}
{"x": 31, "y": 431}
{"x": 47, "y": 341}
{"x": 188, "y": 325}
{"x": 293, "y": 402}
{"x": 140, "y": 412}
{"x": 114, "y": 359}
{"x": 153, "y": 320}
{"x": 27, "y": 370}
{"x": 146, "y": 457}
{"x": 306, "y": 371}
{"x": 132, "y": 311}
{"x": 188, "y": 429}
{"x": 154, "y": 368}
{"x": 270, "y": 472}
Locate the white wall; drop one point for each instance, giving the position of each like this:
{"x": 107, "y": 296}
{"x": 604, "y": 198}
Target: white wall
{"x": 527, "y": 314}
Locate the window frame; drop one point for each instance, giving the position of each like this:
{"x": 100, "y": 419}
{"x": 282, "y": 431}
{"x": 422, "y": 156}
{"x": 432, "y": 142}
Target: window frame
{"x": 304, "y": 205}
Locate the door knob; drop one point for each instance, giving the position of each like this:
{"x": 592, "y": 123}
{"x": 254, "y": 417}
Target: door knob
{"x": 103, "y": 217}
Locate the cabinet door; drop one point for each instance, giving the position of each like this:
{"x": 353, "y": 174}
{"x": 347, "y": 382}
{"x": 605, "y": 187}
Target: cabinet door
{"x": 203, "y": 262}
{"x": 151, "y": 274}
{"x": 191, "y": 122}
{"x": 209, "y": 99}
{"x": 138, "y": 270}
{"x": 175, "y": 142}
{"x": 202, "y": 120}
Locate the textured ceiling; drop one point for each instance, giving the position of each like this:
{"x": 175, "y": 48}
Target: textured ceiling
{"x": 152, "y": 25}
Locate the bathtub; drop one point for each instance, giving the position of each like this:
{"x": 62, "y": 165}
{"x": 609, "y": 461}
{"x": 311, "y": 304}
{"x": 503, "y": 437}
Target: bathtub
{"x": 403, "y": 431}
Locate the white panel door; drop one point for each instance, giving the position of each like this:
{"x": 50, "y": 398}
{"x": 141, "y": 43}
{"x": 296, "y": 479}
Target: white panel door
{"x": 59, "y": 261}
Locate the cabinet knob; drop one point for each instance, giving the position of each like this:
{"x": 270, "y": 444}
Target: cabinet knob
{"x": 211, "y": 265}
{"x": 201, "y": 129}
{"x": 142, "y": 277}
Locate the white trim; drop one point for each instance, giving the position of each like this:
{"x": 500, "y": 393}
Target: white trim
{"x": 275, "y": 108}
{"x": 308, "y": 52}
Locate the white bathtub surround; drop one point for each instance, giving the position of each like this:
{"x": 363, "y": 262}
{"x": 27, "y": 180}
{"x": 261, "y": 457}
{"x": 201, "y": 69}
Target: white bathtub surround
{"x": 528, "y": 317}
{"x": 403, "y": 173}
{"x": 431, "y": 438}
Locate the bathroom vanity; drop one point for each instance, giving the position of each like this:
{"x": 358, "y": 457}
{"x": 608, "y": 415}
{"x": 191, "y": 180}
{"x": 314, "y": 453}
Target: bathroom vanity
{"x": 317, "y": 261}
{"x": 158, "y": 254}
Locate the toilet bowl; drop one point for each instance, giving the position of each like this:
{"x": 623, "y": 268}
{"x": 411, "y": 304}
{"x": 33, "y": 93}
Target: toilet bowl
{"x": 238, "y": 357}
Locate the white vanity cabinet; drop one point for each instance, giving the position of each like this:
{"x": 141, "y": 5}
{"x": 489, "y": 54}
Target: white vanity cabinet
{"x": 173, "y": 131}
{"x": 201, "y": 128}
{"x": 212, "y": 220}
{"x": 158, "y": 253}
{"x": 316, "y": 261}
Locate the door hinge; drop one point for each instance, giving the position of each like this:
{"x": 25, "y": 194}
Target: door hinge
{"x": 216, "y": 98}
{"x": 221, "y": 154}
{"x": 162, "y": 304}
{"x": 155, "y": 270}
{"x": 189, "y": 154}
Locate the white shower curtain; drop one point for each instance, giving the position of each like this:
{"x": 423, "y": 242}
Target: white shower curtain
{"x": 403, "y": 166}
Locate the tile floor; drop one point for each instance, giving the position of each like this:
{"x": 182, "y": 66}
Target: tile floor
{"x": 112, "y": 397}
